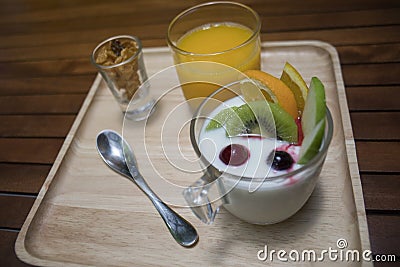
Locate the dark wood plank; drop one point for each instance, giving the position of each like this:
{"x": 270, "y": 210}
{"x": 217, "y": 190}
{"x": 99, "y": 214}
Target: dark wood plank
{"x": 28, "y": 5}
{"x": 382, "y": 240}
{"x": 382, "y": 53}
{"x": 63, "y": 9}
{"x": 378, "y": 156}
{"x": 41, "y": 104}
{"x": 270, "y": 22}
{"x": 66, "y": 67}
{"x": 376, "y": 125}
{"x": 85, "y": 23}
{"x": 381, "y": 192}
{"x": 345, "y": 36}
{"x": 155, "y": 34}
{"x": 22, "y": 178}
{"x": 46, "y": 52}
{"x": 78, "y": 84}
{"x": 93, "y": 36}
{"x": 8, "y": 258}
{"x": 14, "y": 209}
{"x": 72, "y": 11}
{"x": 35, "y": 125}
{"x": 371, "y": 74}
{"x": 373, "y": 98}
{"x": 285, "y": 7}
{"x": 331, "y": 20}
{"x": 29, "y": 150}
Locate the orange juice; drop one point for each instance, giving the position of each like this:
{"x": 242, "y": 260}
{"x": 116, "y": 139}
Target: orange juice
{"x": 228, "y": 43}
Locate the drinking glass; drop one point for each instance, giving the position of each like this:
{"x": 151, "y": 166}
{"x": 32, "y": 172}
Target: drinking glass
{"x": 235, "y": 42}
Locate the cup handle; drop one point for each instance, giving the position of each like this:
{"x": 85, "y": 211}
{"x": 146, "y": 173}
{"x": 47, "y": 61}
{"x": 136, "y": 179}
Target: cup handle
{"x": 204, "y": 198}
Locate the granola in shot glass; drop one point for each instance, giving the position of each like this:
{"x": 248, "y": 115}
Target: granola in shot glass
{"x": 119, "y": 60}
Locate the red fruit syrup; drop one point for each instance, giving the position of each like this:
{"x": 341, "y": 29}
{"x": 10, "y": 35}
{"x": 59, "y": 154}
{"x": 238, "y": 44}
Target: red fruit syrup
{"x": 300, "y": 135}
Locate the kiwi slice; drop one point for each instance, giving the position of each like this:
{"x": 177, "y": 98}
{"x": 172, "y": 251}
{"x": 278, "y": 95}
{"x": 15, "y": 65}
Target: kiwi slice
{"x": 246, "y": 121}
{"x": 258, "y": 117}
{"x": 286, "y": 127}
{"x": 234, "y": 123}
{"x": 221, "y": 118}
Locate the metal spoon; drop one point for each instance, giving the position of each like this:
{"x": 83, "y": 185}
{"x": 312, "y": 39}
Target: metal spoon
{"x": 111, "y": 147}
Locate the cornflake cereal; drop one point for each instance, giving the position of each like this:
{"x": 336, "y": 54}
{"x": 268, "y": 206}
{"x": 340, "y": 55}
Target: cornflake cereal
{"x": 125, "y": 77}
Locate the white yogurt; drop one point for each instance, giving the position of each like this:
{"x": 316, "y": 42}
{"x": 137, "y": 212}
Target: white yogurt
{"x": 274, "y": 200}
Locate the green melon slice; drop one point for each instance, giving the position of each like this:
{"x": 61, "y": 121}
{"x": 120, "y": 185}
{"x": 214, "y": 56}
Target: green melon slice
{"x": 315, "y": 106}
{"x": 312, "y": 143}
{"x": 313, "y": 121}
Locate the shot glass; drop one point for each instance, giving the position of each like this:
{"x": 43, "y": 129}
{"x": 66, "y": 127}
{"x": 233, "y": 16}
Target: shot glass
{"x": 119, "y": 60}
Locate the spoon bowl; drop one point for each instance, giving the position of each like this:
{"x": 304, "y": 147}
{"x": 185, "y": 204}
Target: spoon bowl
{"x": 118, "y": 155}
{"x": 110, "y": 149}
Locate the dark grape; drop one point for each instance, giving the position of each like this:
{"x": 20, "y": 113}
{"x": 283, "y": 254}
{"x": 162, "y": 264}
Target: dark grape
{"x": 234, "y": 155}
{"x": 282, "y": 161}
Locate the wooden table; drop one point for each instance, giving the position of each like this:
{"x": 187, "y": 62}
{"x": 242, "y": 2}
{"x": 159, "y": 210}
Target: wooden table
{"x": 46, "y": 73}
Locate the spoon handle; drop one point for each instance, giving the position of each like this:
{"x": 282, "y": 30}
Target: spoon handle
{"x": 183, "y": 232}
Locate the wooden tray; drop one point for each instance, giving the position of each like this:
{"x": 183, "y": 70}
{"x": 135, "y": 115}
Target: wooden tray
{"x": 87, "y": 215}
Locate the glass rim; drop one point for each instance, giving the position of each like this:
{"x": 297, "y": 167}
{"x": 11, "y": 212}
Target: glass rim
{"x": 254, "y": 35}
{"x": 130, "y": 59}
{"x": 325, "y": 145}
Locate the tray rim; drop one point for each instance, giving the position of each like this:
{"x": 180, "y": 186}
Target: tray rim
{"x": 349, "y": 145}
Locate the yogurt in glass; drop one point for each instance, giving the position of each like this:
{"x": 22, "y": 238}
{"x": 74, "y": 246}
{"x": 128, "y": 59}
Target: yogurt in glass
{"x": 253, "y": 191}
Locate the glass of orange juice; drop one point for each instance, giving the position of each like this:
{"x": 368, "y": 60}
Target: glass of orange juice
{"x": 222, "y": 32}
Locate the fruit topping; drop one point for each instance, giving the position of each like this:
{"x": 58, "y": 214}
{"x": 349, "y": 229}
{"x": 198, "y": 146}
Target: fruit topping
{"x": 312, "y": 143}
{"x": 234, "y": 155}
{"x": 283, "y": 109}
{"x": 222, "y": 118}
{"x": 276, "y": 90}
{"x": 286, "y": 128}
{"x": 315, "y": 107}
{"x": 258, "y": 117}
{"x": 246, "y": 122}
{"x": 282, "y": 160}
{"x": 254, "y": 90}
{"x": 313, "y": 121}
{"x": 300, "y": 135}
{"x": 292, "y": 78}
